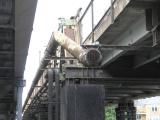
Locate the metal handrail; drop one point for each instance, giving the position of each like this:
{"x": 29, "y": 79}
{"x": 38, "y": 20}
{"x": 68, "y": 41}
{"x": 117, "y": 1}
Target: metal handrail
{"x": 86, "y": 10}
{"x": 111, "y": 8}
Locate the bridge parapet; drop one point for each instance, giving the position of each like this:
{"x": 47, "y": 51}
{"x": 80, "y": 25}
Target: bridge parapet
{"x": 99, "y": 25}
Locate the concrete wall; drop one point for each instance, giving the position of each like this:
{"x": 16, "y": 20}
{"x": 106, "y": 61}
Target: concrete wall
{"x": 2, "y": 117}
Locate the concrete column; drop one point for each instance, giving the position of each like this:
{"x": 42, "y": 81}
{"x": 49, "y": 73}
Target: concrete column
{"x": 21, "y": 84}
{"x": 50, "y": 94}
{"x": 19, "y": 103}
{"x": 43, "y": 112}
{"x": 57, "y": 91}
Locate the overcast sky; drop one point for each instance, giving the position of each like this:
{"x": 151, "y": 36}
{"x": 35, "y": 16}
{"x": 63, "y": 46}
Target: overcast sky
{"x": 46, "y": 21}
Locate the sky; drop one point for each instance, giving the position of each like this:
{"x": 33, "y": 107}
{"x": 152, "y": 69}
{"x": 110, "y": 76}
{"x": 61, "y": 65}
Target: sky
{"x": 46, "y": 21}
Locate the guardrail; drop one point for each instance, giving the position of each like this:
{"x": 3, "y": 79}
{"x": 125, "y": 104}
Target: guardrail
{"x": 93, "y": 13}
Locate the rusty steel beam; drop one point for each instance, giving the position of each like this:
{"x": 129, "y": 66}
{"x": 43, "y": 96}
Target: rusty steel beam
{"x": 121, "y": 47}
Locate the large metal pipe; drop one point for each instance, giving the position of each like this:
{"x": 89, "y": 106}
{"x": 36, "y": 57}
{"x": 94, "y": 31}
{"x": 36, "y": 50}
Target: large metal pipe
{"x": 89, "y": 57}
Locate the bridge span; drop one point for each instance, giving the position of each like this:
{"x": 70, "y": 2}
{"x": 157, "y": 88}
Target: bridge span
{"x": 127, "y": 38}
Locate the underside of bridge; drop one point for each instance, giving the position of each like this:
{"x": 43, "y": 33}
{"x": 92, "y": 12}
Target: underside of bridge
{"x": 128, "y": 37}
{"x": 16, "y": 20}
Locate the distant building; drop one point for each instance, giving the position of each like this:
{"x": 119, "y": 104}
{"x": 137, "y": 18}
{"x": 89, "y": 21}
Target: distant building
{"x": 148, "y": 109}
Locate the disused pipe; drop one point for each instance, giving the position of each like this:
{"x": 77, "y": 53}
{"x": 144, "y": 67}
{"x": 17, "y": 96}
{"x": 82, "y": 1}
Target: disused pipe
{"x": 89, "y": 57}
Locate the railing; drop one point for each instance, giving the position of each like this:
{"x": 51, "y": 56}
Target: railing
{"x": 92, "y": 15}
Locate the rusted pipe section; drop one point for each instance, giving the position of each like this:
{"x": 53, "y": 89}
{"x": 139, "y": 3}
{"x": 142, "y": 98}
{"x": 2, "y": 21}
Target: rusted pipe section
{"x": 88, "y": 57}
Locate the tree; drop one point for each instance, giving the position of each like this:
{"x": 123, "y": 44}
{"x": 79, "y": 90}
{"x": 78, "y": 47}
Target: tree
{"x": 110, "y": 113}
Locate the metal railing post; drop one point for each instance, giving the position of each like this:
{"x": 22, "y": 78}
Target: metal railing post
{"x": 112, "y": 11}
{"x": 92, "y": 17}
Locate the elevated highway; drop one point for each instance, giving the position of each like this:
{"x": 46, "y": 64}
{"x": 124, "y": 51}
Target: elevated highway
{"x": 16, "y": 21}
{"x": 128, "y": 37}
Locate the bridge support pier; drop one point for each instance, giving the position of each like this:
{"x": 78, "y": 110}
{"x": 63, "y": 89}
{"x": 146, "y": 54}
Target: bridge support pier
{"x": 20, "y": 86}
{"x": 57, "y": 94}
{"x": 42, "y": 113}
{"x": 82, "y": 102}
{"x": 126, "y": 111}
{"x": 50, "y": 94}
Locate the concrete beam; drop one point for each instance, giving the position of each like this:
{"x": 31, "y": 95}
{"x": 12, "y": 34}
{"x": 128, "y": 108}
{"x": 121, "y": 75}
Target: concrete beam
{"x": 143, "y": 59}
{"x": 126, "y": 81}
{"x": 82, "y": 72}
{"x": 133, "y": 35}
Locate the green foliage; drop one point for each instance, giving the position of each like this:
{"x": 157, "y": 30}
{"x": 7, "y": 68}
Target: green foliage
{"x": 110, "y": 113}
